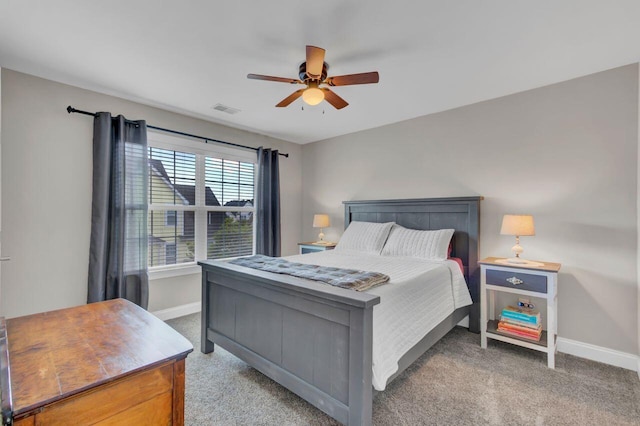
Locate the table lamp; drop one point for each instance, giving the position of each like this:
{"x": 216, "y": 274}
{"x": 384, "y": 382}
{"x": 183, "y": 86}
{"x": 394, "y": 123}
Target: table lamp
{"x": 519, "y": 225}
{"x": 321, "y": 221}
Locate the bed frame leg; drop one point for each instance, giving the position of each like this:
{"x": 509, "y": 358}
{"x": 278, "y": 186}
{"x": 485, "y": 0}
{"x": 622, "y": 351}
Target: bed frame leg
{"x": 206, "y": 346}
{"x": 360, "y": 368}
{"x": 474, "y": 318}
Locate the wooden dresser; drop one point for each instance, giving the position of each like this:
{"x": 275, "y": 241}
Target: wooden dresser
{"x": 104, "y": 363}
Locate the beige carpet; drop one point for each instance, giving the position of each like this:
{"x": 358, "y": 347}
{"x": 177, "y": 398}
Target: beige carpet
{"x": 454, "y": 383}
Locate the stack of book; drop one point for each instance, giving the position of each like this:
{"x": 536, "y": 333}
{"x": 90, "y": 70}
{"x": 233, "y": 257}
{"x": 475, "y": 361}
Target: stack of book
{"x": 521, "y": 322}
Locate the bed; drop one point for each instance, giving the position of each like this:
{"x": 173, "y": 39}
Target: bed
{"x": 317, "y": 340}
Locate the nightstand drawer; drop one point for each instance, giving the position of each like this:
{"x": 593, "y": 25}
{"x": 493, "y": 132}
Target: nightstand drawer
{"x": 519, "y": 280}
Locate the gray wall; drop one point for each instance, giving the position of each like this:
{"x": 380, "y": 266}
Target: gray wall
{"x": 46, "y": 192}
{"x": 566, "y": 153}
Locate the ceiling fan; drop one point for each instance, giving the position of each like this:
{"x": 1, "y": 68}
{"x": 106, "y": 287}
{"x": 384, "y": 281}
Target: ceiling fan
{"x": 313, "y": 74}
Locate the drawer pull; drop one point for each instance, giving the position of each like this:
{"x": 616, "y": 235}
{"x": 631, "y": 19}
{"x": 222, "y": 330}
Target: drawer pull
{"x": 514, "y": 280}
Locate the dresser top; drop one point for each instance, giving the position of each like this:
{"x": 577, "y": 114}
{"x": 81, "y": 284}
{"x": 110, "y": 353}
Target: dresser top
{"x": 546, "y": 266}
{"x": 56, "y": 354}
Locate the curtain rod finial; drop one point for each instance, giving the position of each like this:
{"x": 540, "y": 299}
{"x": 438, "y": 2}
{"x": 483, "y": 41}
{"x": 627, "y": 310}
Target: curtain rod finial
{"x": 70, "y": 109}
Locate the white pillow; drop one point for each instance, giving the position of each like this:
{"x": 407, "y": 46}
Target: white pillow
{"x": 364, "y": 237}
{"x": 432, "y": 245}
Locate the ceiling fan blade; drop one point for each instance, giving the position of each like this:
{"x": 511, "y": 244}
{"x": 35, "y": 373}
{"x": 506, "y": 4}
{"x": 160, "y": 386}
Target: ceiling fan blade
{"x": 333, "y": 99}
{"x": 292, "y": 97}
{"x": 270, "y": 78}
{"x": 346, "y": 80}
{"x": 315, "y": 61}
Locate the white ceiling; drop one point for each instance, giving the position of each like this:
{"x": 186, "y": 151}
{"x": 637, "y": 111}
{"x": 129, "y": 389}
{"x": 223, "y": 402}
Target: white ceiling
{"x": 187, "y": 56}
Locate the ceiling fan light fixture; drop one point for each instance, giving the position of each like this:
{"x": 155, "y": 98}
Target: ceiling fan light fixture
{"x": 313, "y": 96}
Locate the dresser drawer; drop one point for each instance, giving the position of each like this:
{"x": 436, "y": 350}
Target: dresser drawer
{"x": 135, "y": 395}
{"x": 519, "y": 280}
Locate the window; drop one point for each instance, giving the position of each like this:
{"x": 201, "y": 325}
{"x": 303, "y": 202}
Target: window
{"x": 229, "y": 232}
{"x": 170, "y": 217}
{"x": 201, "y": 201}
{"x": 170, "y": 253}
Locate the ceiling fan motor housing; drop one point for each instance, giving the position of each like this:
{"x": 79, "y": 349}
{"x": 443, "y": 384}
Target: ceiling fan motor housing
{"x": 303, "y": 72}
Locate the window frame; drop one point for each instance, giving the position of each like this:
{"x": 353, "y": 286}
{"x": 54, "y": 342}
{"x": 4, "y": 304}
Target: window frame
{"x": 201, "y": 216}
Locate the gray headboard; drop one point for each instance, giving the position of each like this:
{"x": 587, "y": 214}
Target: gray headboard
{"x": 460, "y": 213}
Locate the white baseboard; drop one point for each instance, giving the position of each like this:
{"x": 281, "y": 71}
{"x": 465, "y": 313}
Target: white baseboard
{"x": 178, "y": 311}
{"x": 600, "y": 354}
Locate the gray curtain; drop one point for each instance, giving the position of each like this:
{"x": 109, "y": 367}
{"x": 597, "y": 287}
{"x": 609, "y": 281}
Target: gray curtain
{"x": 268, "y": 207}
{"x": 119, "y": 236}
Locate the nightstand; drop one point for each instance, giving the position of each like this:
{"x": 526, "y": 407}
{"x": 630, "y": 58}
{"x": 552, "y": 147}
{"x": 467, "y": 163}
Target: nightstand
{"x": 312, "y": 247}
{"x": 524, "y": 281}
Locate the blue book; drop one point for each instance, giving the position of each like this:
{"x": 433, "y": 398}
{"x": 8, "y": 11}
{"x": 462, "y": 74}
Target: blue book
{"x": 511, "y": 317}
{"x": 522, "y": 314}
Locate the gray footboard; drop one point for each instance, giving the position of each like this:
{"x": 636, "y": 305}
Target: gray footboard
{"x": 313, "y": 339}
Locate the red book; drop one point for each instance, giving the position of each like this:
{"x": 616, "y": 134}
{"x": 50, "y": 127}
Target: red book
{"x": 529, "y": 335}
{"x": 527, "y": 330}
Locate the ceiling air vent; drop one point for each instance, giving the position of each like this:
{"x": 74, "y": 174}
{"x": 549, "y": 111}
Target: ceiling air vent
{"x": 227, "y": 109}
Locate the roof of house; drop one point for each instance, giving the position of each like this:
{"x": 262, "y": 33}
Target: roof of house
{"x": 188, "y": 192}
{"x": 238, "y": 203}
{"x": 155, "y": 240}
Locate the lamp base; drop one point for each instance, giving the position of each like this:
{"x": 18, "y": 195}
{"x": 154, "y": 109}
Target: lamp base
{"x": 518, "y": 261}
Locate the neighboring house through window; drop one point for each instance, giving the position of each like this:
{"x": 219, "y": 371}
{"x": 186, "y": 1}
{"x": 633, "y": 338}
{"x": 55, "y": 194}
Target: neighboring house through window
{"x": 242, "y": 215}
{"x": 201, "y": 201}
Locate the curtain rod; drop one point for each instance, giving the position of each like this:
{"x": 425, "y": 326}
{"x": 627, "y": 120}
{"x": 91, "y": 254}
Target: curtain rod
{"x": 71, "y": 109}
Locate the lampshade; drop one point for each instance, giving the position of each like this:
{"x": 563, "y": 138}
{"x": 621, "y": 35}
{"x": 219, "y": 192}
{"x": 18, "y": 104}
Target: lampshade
{"x": 313, "y": 96}
{"x": 321, "y": 221}
{"x": 517, "y": 224}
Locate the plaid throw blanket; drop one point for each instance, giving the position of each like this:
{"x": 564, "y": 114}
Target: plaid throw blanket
{"x": 344, "y": 278}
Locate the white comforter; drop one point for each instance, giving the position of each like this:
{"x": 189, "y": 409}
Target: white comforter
{"x": 419, "y": 295}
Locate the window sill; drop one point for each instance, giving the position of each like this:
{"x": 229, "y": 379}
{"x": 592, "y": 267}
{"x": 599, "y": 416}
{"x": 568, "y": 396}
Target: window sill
{"x": 174, "y": 271}
{"x": 159, "y": 272}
